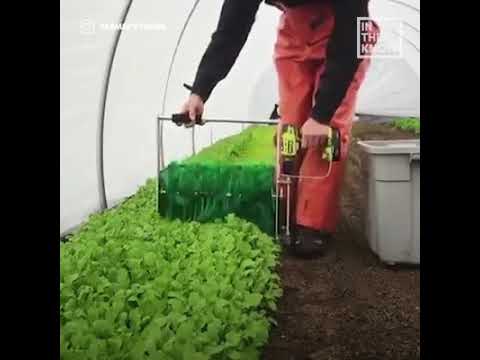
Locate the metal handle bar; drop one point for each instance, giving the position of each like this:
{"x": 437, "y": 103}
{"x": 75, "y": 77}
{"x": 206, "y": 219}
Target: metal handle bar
{"x": 228, "y": 121}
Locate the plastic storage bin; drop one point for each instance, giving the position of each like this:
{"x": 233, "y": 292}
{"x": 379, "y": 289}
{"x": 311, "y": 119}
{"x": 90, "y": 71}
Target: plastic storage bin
{"x": 393, "y": 220}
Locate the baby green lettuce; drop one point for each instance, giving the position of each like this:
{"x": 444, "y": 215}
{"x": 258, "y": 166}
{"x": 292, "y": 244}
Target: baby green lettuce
{"x": 136, "y": 286}
{"x": 252, "y": 145}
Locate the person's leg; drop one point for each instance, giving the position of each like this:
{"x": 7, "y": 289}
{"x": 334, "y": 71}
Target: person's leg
{"x": 300, "y": 57}
{"x": 296, "y": 74}
{"x": 297, "y": 61}
{"x": 318, "y": 200}
{"x": 296, "y": 81}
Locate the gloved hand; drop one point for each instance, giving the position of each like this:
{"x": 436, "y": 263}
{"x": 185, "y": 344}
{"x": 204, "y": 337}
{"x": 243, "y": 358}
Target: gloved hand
{"x": 314, "y": 133}
{"x": 193, "y": 107}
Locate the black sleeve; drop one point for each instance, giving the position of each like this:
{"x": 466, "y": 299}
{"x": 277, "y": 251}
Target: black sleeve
{"x": 342, "y": 61}
{"x": 236, "y": 20}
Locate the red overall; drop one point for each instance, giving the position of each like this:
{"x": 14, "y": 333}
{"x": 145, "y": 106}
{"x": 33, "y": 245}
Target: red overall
{"x": 300, "y": 53}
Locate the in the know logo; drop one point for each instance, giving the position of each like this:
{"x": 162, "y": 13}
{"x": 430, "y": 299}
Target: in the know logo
{"x": 379, "y": 38}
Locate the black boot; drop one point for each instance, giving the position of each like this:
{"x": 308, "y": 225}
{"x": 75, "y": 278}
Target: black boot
{"x": 310, "y": 243}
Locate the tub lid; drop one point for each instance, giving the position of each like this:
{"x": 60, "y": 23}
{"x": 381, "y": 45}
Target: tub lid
{"x": 411, "y": 146}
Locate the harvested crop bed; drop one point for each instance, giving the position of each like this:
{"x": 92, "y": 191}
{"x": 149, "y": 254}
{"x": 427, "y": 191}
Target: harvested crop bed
{"x": 349, "y": 306}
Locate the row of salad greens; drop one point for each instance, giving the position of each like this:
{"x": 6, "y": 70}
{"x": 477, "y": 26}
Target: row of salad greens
{"x": 137, "y": 286}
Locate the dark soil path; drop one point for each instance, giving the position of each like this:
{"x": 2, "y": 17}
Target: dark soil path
{"x": 348, "y": 305}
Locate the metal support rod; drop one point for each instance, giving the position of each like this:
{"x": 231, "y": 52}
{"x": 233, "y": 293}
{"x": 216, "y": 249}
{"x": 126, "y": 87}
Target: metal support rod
{"x": 161, "y": 155}
{"x": 277, "y": 231}
{"x": 399, "y": 2}
{"x": 228, "y": 121}
{"x": 277, "y": 185}
{"x": 101, "y": 123}
{"x": 287, "y": 230}
{"x": 158, "y": 147}
{"x": 169, "y": 74}
{"x": 193, "y": 141}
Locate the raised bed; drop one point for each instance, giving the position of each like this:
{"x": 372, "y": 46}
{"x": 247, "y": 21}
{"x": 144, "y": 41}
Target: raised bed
{"x": 136, "y": 286}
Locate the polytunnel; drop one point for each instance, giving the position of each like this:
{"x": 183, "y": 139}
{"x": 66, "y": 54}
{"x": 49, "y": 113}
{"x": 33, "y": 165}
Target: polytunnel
{"x": 114, "y": 84}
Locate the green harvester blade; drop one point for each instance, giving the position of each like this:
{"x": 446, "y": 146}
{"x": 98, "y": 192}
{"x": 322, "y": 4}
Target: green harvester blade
{"x": 208, "y": 191}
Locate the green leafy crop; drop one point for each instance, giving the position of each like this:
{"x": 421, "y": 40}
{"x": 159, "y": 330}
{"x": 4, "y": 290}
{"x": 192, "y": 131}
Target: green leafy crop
{"x": 254, "y": 144}
{"x": 408, "y": 124}
{"x": 136, "y": 286}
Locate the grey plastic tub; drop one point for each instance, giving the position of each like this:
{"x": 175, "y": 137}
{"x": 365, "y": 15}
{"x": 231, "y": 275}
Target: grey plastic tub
{"x": 393, "y": 220}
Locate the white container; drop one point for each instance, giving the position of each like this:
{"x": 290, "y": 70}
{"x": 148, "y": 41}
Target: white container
{"x": 393, "y": 217}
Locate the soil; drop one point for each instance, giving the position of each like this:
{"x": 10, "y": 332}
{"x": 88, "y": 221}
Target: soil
{"x": 348, "y": 305}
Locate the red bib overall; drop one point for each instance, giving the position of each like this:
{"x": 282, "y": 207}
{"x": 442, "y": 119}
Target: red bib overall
{"x": 300, "y": 55}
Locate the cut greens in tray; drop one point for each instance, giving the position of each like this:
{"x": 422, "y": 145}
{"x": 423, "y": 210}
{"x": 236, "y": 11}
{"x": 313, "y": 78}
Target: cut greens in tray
{"x": 136, "y": 286}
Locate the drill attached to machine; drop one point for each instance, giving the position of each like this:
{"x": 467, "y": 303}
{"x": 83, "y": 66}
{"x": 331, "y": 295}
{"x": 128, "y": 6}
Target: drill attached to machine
{"x": 289, "y": 160}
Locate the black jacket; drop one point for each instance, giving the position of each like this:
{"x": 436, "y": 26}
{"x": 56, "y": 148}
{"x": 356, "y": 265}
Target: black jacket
{"x": 236, "y": 20}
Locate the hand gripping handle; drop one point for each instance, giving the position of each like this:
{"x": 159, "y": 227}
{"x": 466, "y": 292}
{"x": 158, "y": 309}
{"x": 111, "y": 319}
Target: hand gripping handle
{"x": 182, "y": 119}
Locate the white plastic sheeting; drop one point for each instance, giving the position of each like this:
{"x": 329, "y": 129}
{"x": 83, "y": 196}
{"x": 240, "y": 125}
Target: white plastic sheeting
{"x": 230, "y": 98}
{"x": 135, "y": 96}
{"x": 392, "y": 86}
{"x": 83, "y": 59}
{"x": 138, "y": 81}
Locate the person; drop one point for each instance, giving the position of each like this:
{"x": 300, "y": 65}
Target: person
{"x": 319, "y": 75}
